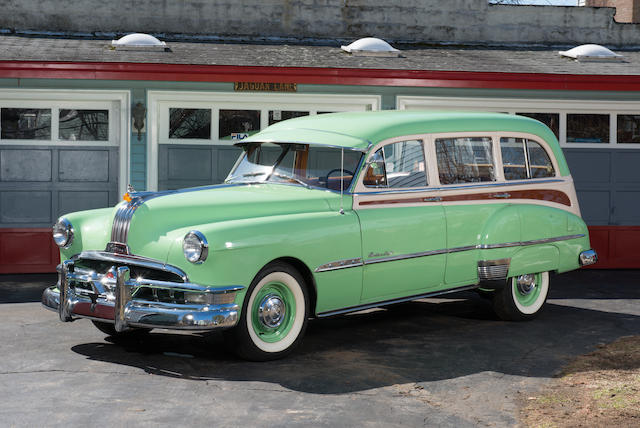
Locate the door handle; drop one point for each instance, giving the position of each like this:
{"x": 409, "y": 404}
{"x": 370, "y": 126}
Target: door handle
{"x": 432, "y": 199}
{"x": 502, "y": 195}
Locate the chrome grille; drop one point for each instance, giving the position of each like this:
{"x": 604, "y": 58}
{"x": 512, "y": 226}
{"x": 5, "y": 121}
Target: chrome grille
{"x": 122, "y": 221}
{"x": 491, "y": 270}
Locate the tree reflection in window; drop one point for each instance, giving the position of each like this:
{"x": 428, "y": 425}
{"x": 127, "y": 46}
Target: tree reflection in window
{"x": 587, "y": 128}
{"x": 194, "y": 123}
{"x": 25, "y": 123}
{"x": 465, "y": 160}
{"x": 238, "y": 124}
{"x": 83, "y": 125}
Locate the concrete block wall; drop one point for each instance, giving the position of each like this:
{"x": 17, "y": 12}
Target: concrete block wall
{"x": 416, "y": 21}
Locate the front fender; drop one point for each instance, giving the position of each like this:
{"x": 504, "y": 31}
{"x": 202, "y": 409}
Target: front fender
{"x": 238, "y": 249}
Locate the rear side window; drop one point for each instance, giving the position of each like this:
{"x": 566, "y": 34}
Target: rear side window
{"x": 465, "y": 160}
{"x": 523, "y": 159}
{"x": 398, "y": 165}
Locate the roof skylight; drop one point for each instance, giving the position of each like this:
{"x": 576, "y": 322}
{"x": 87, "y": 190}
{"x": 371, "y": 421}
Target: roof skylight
{"x": 371, "y": 46}
{"x": 591, "y": 52}
{"x": 138, "y": 41}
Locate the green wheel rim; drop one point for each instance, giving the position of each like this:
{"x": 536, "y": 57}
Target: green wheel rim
{"x": 275, "y": 334}
{"x": 530, "y": 298}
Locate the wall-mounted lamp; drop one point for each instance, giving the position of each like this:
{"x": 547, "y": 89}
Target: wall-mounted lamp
{"x": 138, "y": 113}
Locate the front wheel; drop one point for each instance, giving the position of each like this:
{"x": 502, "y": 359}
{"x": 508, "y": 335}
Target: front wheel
{"x": 274, "y": 315}
{"x": 523, "y": 297}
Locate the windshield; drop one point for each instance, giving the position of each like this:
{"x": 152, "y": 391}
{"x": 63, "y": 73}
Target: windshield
{"x": 303, "y": 164}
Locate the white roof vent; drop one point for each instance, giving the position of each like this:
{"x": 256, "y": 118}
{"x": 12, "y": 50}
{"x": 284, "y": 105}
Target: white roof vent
{"x": 591, "y": 53}
{"x": 137, "y": 42}
{"x": 371, "y": 46}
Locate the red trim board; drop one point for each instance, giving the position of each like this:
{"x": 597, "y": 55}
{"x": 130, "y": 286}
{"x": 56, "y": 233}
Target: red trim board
{"x": 314, "y": 75}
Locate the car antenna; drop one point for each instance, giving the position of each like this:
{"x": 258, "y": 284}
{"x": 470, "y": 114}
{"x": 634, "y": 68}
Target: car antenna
{"x": 341, "y": 180}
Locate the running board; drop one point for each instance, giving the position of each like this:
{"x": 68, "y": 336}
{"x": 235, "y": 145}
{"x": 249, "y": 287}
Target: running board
{"x": 394, "y": 301}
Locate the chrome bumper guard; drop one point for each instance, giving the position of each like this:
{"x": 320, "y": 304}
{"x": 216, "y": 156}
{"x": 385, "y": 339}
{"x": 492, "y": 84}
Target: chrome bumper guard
{"x": 125, "y": 311}
{"x": 588, "y": 257}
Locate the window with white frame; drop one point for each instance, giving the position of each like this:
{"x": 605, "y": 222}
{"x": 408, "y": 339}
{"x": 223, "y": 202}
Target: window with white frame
{"x": 57, "y": 122}
{"x": 225, "y": 118}
{"x": 576, "y": 123}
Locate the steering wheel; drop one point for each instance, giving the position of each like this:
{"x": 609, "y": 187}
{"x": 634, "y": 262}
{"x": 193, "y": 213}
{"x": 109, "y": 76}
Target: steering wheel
{"x": 326, "y": 178}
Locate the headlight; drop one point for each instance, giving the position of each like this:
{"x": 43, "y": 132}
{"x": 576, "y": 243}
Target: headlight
{"x": 63, "y": 233}
{"x": 195, "y": 247}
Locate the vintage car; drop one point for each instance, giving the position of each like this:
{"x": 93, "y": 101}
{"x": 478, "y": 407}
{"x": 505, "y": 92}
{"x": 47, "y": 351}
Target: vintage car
{"x": 329, "y": 214}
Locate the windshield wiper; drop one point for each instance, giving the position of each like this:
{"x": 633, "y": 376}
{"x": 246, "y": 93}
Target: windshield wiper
{"x": 289, "y": 177}
{"x": 253, "y": 174}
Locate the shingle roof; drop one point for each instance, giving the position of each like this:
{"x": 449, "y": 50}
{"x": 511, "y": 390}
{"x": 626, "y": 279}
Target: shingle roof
{"x": 471, "y": 59}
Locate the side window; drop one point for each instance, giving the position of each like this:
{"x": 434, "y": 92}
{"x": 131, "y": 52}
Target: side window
{"x": 513, "y": 158}
{"x": 522, "y": 159}
{"x": 539, "y": 161}
{"x": 397, "y": 165}
{"x": 465, "y": 160}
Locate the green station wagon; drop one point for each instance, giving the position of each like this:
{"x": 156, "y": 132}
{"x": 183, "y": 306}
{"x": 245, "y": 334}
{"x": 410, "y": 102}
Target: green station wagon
{"x": 330, "y": 214}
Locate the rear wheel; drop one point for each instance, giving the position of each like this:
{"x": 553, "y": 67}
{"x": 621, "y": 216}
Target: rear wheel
{"x": 274, "y": 315}
{"x": 523, "y": 297}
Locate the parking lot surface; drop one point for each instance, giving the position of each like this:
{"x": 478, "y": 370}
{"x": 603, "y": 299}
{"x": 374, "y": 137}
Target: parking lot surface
{"x": 445, "y": 361}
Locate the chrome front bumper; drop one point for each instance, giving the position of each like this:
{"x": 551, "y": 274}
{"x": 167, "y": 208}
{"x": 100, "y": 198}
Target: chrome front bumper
{"x": 124, "y": 310}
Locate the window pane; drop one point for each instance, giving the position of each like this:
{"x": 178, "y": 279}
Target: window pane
{"x": 278, "y": 115}
{"x": 84, "y": 125}
{"x": 404, "y": 163}
{"x": 465, "y": 160}
{"x": 552, "y": 120}
{"x": 401, "y": 164}
{"x": 25, "y": 123}
{"x": 513, "y": 159}
{"x": 587, "y": 128}
{"x": 628, "y": 128}
{"x": 238, "y": 124}
{"x": 190, "y": 123}
{"x": 539, "y": 163}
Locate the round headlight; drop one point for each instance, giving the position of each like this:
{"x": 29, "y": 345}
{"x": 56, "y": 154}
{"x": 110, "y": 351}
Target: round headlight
{"x": 63, "y": 233}
{"x": 195, "y": 247}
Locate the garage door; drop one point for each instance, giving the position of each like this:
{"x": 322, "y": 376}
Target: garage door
{"x": 56, "y": 157}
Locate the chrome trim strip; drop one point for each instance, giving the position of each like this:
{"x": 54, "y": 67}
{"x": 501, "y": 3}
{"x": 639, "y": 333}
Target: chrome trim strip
{"x": 393, "y": 301}
{"x": 323, "y": 268}
{"x": 131, "y": 260}
{"x": 339, "y": 264}
{"x": 532, "y": 242}
{"x": 458, "y": 187}
{"x": 404, "y": 256}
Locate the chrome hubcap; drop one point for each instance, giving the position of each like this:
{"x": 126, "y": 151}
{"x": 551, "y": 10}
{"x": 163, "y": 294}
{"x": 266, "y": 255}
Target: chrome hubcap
{"x": 271, "y": 311}
{"x": 526, "y": 283}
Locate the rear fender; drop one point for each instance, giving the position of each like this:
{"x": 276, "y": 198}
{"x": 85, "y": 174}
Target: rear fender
{"x": 539, "y": 258}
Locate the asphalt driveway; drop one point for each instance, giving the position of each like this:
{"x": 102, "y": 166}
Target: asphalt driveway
{"x": 446, "y": 362}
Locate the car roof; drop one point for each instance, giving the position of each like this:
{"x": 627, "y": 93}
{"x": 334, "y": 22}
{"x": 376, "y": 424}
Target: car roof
{"x": 360, "y": 130}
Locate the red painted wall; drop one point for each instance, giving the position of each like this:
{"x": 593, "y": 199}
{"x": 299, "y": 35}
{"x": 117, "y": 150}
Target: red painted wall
{"x": 28, "y": 251}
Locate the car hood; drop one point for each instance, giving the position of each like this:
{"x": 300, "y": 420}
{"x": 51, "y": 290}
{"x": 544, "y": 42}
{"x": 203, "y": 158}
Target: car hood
{"x": 161, "y": 213}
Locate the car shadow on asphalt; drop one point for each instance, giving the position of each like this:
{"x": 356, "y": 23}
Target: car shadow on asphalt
{"x": 428, "y": 340}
